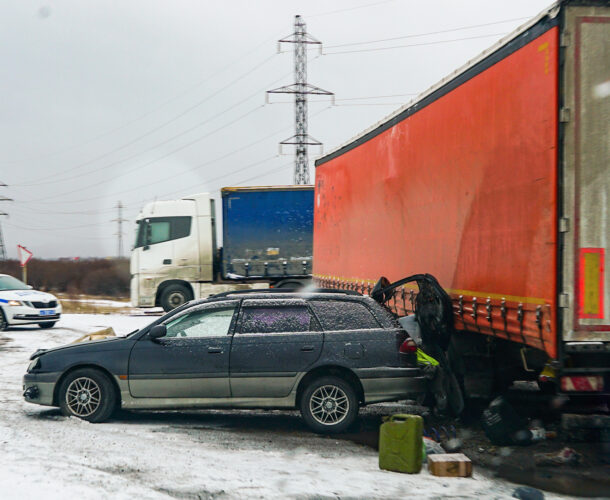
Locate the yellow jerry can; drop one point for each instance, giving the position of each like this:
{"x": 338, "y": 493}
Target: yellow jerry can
{"x": 400, "y": 443}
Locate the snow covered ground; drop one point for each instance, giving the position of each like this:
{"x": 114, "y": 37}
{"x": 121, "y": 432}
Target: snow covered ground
{"x": 194, "y": 454}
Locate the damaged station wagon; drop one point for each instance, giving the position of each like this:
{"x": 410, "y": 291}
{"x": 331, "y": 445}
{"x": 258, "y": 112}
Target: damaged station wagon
{"x": 326, "y": 353}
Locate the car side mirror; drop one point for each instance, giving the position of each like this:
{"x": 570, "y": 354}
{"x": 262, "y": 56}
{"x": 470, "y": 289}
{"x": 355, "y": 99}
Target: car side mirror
{"x": 157, "y": 331}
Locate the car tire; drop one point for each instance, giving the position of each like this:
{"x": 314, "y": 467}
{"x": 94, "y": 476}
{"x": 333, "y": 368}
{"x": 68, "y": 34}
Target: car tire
{"x": 342, "y": 403}
{"x": 47, "y": 324}
{"x": 88, "y": 394}
{"x": 174, "y": 296}
{"x": 3, "y": 321}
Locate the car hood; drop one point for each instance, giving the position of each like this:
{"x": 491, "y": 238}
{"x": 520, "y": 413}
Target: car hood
{"x": 27, "y": 295}
{"x": 82, "y": 346}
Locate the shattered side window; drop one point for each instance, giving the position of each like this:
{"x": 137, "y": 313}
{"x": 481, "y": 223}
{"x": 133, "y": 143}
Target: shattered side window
{"x": 276, "y": 319}
{"x": 343, "y": 315}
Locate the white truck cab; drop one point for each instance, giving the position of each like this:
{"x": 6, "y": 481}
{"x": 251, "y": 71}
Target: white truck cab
{"x": 173, "y": 251}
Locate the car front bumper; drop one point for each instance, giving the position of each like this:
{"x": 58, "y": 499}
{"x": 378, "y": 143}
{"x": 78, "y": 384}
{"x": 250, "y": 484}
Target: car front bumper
{"x": 39, "y": 388}
{"x": 24, "y": 315}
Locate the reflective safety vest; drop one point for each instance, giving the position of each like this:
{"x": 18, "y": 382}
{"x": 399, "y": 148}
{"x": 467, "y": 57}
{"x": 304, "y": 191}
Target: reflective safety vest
{"x": 425, "y": 360}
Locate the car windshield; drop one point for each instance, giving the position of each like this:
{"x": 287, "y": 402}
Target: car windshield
{"x": 10, "y": 283}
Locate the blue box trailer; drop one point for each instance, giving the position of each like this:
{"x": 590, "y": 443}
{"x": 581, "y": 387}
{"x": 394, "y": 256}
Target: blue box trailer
{"x": 267, "y": 232}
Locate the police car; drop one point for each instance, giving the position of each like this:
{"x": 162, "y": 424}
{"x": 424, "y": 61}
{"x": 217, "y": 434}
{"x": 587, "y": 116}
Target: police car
{"x": 20, "y": 305}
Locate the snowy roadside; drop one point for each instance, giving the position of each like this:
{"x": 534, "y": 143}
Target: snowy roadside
{"x": 195, "y": 454}
{"x": 83, "y": 304}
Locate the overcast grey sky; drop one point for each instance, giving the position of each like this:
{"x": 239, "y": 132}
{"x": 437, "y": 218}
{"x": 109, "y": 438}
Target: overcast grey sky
{"x": 135, "y": 99}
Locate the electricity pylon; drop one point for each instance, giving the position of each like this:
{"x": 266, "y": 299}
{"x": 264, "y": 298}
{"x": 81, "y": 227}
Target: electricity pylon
{"x": 301, "y": 89}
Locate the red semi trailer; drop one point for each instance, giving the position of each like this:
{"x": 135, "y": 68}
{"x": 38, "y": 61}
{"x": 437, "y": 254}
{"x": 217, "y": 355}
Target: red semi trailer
{"x": 496, "y": 181}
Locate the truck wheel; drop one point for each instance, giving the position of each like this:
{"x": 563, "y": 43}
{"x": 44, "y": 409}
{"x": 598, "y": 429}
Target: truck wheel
{"x": 295, "y": 285}
{"x": 329, "y": 405}
{"x": 47, "y": 324}
{"x": 88, "y": 394}
{"x": 3, "y": 322}
{"x": 174, "y": 296}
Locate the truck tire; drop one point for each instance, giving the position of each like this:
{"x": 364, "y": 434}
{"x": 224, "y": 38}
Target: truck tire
{"x": 174, "y": 296}
{"x": 87, "y": 393}
{"x": 295, "y": 285}
{"x": 329, "y": 405}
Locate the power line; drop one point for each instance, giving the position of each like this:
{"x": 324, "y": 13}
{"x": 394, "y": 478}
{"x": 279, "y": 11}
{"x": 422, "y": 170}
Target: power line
{"x": 372, "y": 104}
{"x": 153, "y": 130}
{"x": 197, "y": 167}
{"x": 461, "y": 28}
{"x": 376, "y": 97}
{"x": 62, "y": 236}
{"x": 150, "y": 112}
{"x": 184, "y": 146}
{"x": 138, "y": 167}
{"x": 166, "y": 155}
{"x": 351, "y": 8}
{"x": 414, "y": 44}
{"x": 55, "y": 228}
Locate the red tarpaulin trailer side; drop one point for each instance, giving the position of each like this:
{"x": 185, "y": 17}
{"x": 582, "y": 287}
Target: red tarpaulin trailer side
{"x": 464, "y": 188}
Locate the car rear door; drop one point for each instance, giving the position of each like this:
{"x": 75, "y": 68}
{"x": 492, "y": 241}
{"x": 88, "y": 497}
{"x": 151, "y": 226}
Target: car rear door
{"x": 275, "y": 341}
{"x": 354, "y": 335}
{"x": 192, "y": 361}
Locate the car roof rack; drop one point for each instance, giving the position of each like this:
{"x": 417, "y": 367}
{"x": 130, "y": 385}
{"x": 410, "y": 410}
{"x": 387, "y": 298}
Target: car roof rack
{"x": 284, "y": 290}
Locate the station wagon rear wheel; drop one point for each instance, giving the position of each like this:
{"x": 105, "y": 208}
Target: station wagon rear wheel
{"x": 87, "y": 394}
{"x": 329, "y": 405}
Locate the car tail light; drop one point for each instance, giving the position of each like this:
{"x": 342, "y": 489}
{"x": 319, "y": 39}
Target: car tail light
{"x": 582, "y": 383}
{"x": 408, "y": 346}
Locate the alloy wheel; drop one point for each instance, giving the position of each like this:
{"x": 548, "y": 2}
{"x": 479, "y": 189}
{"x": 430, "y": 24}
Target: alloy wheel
{"x": 329, "y": 405}
{"x": 83, "y": 396}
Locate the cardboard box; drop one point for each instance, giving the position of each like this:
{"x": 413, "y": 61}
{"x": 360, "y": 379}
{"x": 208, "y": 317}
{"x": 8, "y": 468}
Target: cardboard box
{"x": 450, "y": 465}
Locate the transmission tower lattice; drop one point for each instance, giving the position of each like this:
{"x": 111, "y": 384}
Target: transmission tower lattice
{"x": 2, "y": 245}
{"x": 119, "y": 220}
{"x": 301, "y": 89}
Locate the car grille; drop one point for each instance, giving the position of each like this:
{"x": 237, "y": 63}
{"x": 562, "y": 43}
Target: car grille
{"x": 44, "y": 305}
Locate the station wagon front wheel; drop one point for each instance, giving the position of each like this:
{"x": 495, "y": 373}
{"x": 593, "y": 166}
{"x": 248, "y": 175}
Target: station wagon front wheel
{"x": 329, "y": 405}
{"x": 88, "y": 394}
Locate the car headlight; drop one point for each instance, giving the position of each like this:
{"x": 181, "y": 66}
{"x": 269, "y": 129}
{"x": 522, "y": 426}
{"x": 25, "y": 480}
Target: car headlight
{"x": 15, "y": 303}
{"x": 34, "y": 364}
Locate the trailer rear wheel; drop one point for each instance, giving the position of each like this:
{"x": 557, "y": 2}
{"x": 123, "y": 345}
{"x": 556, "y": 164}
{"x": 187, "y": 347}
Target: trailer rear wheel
{"x": 291, "y": 284}
{"x": 174, "y": 296}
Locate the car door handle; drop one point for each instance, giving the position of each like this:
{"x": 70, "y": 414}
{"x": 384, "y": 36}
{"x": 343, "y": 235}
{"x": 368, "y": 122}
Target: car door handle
{"x": 307, "y": 348}
{"x": 215, "y": 350}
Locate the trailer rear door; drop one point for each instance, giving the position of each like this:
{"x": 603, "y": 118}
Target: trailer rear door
{"x": 585, "y": 118}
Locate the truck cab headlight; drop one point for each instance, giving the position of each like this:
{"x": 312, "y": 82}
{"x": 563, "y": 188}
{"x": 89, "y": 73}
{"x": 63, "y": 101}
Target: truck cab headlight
{"x": 15, "y": 303}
